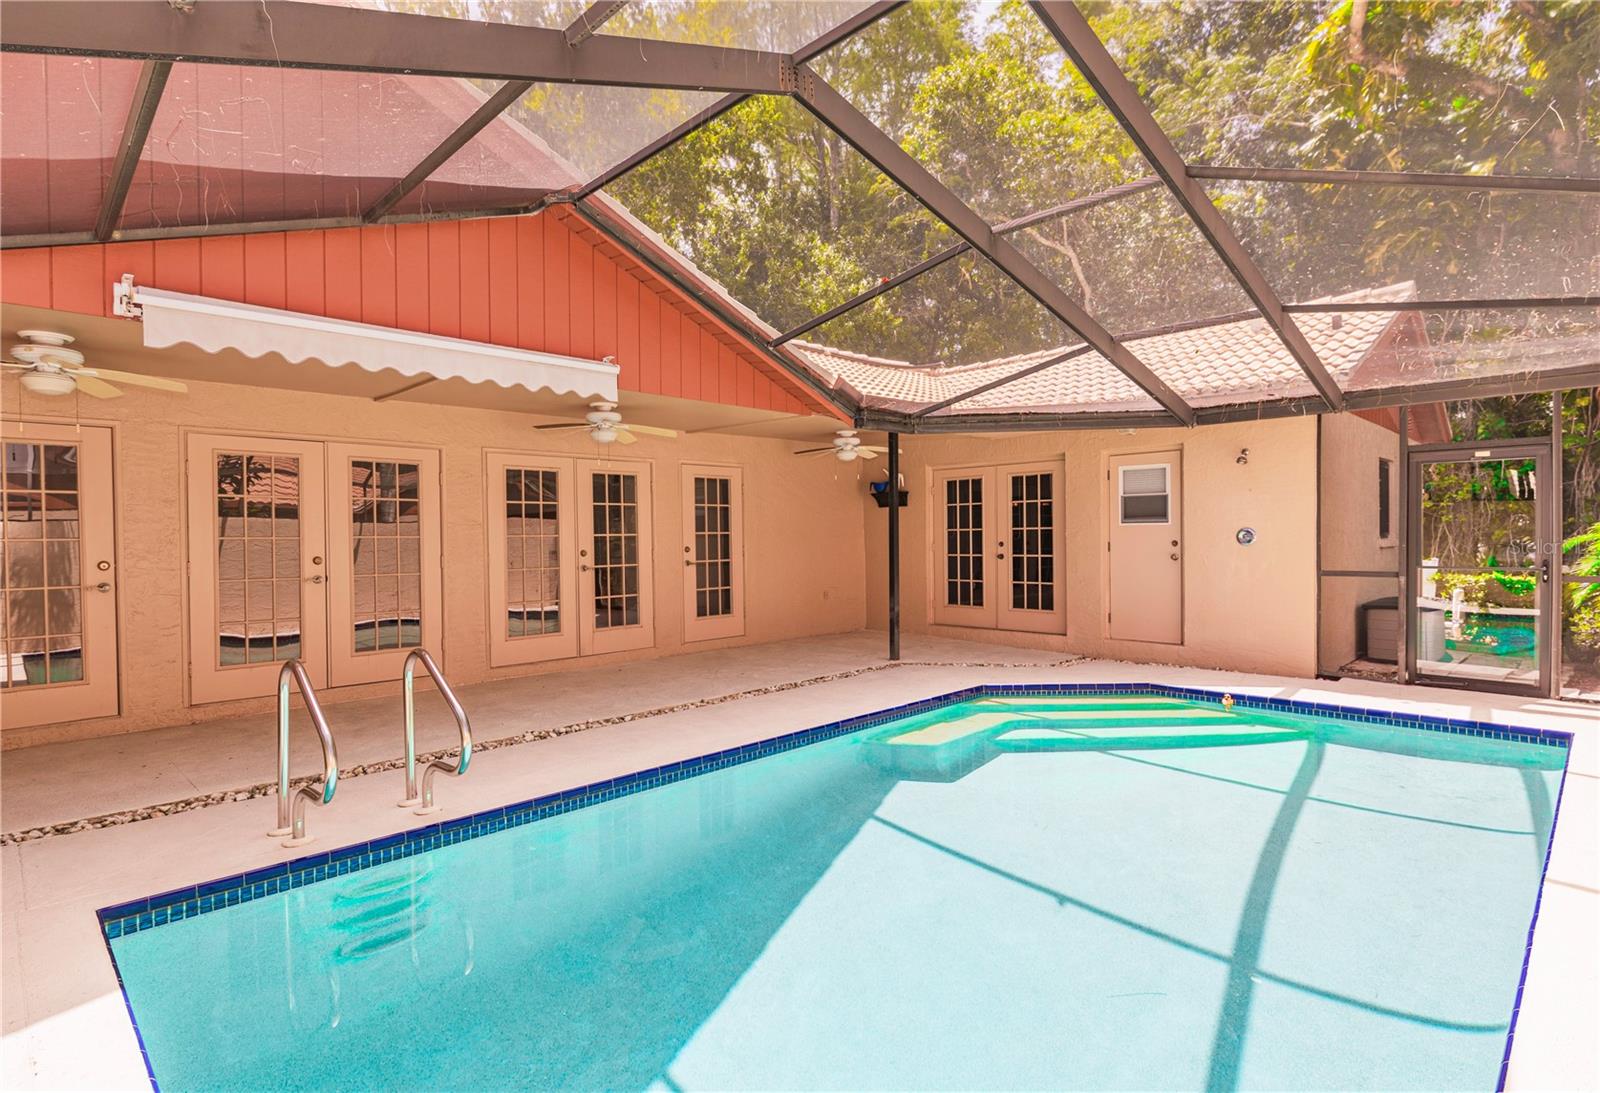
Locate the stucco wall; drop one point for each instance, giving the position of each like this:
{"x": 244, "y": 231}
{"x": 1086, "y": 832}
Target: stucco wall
{"x": 1249, "y": 608}
{"x": 803, "y": 547}
{"x": 1351, "y": 448}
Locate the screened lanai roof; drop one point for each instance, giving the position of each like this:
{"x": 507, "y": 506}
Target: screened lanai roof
{"x": 942, "y": 215}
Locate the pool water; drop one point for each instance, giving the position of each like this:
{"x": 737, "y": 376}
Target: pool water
{"x": 1008, "y": 893}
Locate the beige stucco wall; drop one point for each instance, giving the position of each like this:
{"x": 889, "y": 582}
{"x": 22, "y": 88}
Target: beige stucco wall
{"x": 1248, "y": 608}
{"x": 1351, "y": 448}
{"x": 803, "y": 546}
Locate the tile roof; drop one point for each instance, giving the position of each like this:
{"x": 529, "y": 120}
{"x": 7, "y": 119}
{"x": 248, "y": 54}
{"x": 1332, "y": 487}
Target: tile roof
{"x": 1228, "y": 362}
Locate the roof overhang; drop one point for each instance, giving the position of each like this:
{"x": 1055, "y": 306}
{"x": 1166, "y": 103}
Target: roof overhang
{"x": 218, "y": 326}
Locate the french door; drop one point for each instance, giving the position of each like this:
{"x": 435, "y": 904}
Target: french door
{"x": 713, "y": 552}
{"x": 58, "y": 605}
{"x": 328, "y": 553}
{"x": 999, "y": 548}
{"x": 569, "y": 557}
{"x": 1481, "y": 549}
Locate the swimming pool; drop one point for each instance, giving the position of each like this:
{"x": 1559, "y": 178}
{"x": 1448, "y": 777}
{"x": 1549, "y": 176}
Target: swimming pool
{"x": 1007, "y": 888}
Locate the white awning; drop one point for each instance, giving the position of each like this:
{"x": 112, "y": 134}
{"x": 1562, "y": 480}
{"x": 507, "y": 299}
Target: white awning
{"x": 173, "y": 318}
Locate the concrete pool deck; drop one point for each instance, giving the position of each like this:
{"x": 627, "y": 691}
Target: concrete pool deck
{"x": 62, "y": 1017}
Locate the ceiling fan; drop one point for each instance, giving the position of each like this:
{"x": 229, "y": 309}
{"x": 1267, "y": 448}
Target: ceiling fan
{"x": 606, "y": 426}
{"x": 847, "y": 448}
{"x": 49, "y": 367}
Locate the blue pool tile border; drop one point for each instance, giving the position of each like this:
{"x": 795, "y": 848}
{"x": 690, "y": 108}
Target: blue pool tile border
{"x": 121, "y": 919}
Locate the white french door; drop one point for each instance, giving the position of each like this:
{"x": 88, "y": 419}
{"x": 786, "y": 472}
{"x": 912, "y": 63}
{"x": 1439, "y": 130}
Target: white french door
{"x": 58, "y": 605}
{"x": 616, "y": 594}
{"x": 713, "y": 552}
{"x": 328, "y": 553}
{"x": 569, "y": 557}
{"x": 998, "y": 548}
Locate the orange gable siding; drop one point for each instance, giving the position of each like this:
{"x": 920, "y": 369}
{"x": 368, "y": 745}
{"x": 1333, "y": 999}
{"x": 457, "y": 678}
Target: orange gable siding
{"x": 544, "y": 281}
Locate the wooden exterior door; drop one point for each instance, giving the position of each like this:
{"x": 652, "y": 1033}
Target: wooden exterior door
{"x": 533, "y": 574}
{"x": 384, "y": 587}
{"x": 58, "y": 577}
{"x": 713, "y": 552}
{"x": 1030, "y": 578}
{"x": 1144, "y": 556}
{"x": 615, "y": 584}
{"x": 257, "y": 563}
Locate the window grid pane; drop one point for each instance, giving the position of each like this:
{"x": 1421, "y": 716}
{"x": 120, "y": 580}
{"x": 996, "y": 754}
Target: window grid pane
{"x": 533, "y": 552}
{"x": 386, "y": 555}
{"x": 616, "y": 550}
{"x": 1033, "y": 542}
{"x": 40, "y": 572}
{"x": 713, "y": 547}
{"x": 258, "y": 557}
{"x": 963, "y": 523}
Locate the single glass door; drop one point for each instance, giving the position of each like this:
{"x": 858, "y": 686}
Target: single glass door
{"x": 1480, "y": 557}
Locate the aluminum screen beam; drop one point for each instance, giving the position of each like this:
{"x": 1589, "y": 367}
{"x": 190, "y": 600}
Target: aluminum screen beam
{"x": 1397, "y": 178}
{"x": 1038, "y": 366}
{"x": 141, "y": 113}
{"x": 939, "y": 258}
{"x": 827, "y": 40}
{"x": 1069, "y": 28}
{"x": 837, "y": 113}
{"x": 295, "y": 34}
{"x": 1555, "y": 379}
{"x": 623, "y": 237}
{"x": 492, "y": 108}
{"x": 591, "y": 19}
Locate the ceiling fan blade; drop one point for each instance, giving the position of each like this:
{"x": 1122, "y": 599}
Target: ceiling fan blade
{"x": 872, "y": 449}
{"x": 651, "y": 430}
{"x": 96, "y": 387}
{"x": 864, "y": 453}
{"x": 565, "y": 425}
{"x": 814, "y": 451}
{"x": 16, "y": 364}
{"x": 135, "y": 379}
{"x": 625, "y": 437}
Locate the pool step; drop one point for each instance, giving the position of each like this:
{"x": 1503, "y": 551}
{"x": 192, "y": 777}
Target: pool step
{"x": 1210, "y": 735}
{"x": 946, "y": 732}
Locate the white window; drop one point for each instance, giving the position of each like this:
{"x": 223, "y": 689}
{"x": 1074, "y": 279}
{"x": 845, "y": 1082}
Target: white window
{"x": 1144, "y": 494}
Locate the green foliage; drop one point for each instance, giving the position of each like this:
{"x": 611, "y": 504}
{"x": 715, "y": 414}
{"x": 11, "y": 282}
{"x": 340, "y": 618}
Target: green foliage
{"x": 792, "y": 221}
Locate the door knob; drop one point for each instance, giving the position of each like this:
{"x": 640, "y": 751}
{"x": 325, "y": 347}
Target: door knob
{"x": 103, "y": 586}
{"x": 1174, "y": 556}
{"x": 583, "y": 568}
{"x": 315, "y": 578}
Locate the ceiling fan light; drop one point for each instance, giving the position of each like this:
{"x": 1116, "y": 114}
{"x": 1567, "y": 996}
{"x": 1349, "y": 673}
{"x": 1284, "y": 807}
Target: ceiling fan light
{"x": 603, "y": 434}
{"x": 48, "y": 383}
{"x": 847, "y": 455}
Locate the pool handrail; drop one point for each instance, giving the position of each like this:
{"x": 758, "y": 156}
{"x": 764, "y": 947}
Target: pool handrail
{"x": 424, "y": 800}
{"x": 292, "y": 807}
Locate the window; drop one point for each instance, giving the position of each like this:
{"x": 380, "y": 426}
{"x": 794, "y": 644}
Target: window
{"x": 1144, "y": 495}
{"x": 1385, "y": 503}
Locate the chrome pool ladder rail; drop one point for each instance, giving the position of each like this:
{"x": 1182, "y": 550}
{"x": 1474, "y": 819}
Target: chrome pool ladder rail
{"x": 424, "y": 800}
{"x": 292, "y": 807}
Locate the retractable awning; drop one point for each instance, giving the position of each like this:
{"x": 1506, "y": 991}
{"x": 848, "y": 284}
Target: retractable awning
{"x": 215, "y": 326}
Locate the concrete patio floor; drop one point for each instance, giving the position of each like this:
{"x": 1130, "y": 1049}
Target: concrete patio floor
{"x": 62, "y": 1017}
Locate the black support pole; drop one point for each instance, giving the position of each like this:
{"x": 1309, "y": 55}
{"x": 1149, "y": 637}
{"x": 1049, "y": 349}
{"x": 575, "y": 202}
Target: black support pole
{"x": 894, "y": 546}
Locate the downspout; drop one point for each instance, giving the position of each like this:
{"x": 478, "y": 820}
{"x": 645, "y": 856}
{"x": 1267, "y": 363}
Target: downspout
{"x": 893, "y": 489}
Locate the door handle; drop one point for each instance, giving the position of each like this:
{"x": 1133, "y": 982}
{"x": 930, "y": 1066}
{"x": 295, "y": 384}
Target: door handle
{"x": 315, "y": 578}
{"x": 584, "y": 568}
{"x": 103, "y": 586}
{"x": 1174, "y": 556}
{"x": 1544, "y": 571}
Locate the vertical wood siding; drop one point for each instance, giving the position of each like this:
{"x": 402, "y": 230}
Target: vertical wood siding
{"x": 542, "y": 282}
